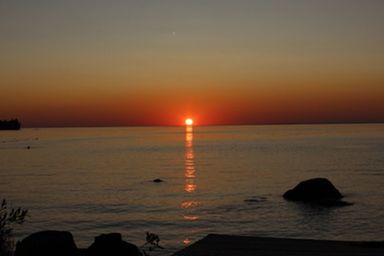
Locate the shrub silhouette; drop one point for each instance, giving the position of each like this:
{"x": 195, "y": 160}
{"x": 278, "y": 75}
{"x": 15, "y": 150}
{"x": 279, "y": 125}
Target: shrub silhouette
{"x": 8, "y": 217}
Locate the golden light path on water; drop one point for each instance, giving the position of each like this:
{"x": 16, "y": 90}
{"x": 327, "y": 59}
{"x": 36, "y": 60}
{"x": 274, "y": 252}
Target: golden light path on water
{"x": 189, "y": 165}
{"x": 190, "y": 175}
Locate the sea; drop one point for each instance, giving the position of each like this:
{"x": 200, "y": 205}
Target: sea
{"x": 215, "y": 179}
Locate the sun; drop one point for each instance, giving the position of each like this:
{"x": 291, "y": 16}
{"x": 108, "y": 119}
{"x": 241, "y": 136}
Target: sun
{"x": 188, "y": 121}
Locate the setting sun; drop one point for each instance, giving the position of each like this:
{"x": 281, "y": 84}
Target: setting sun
{"x": 188, "y": 121}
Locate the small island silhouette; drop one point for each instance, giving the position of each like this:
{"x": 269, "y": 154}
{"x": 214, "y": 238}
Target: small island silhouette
{"x": 12, "y": 124}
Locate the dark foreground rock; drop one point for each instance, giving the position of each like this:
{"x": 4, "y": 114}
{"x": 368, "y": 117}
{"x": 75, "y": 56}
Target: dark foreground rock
{"x": 112, "y": 244}
{"x": 44, "y": 243}
{"x": 61, "y": 243}
{"x": 226, "y": 245}
{"x": 319, "y": 190}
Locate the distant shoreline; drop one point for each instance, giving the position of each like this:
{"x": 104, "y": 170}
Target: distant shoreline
{"x": 12, "y": 124}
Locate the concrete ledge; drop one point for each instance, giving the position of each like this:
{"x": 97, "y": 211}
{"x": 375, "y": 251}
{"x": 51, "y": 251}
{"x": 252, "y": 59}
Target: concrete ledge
{"x": 223, "y": 245}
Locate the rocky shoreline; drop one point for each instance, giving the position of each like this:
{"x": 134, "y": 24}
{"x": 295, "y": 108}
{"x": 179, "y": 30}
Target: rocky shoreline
{"x": 61, "y": 243}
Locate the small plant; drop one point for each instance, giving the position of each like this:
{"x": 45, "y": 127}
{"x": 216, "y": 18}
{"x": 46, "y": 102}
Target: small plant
{"x": 152, "y": 243}
{"x": 8, "y": 217}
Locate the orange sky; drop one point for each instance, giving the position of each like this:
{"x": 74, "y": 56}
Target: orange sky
{"x": 220, "y": 62}
{"x": 226, "y": 105}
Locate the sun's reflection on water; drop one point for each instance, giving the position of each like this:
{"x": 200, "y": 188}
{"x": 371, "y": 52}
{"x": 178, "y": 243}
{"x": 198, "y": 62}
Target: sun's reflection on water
{"x": 189, "y": 205}
{"x": 186, "y": 241}
{"x": 189, "y": 165}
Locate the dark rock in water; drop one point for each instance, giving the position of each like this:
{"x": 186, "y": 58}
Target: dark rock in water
{"x": 319, "y": 190}
{"x": 47, "y": 243}
{"x": 158, "y": 180}
{"x": 112, "y": 244}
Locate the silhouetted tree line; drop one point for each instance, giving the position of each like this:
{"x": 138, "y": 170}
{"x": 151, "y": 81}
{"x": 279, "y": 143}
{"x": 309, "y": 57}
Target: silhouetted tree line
{"x": 13, "y": 124}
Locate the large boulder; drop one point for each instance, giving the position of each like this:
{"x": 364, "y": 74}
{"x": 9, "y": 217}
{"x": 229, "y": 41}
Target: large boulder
{"x": 112, "y": 245}
{"x": 319, "y": 190}
{"x": 47, "y": 243}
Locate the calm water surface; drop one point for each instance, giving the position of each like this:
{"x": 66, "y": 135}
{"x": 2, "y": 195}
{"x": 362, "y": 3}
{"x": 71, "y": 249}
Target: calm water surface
{"x": 216, "y": 180}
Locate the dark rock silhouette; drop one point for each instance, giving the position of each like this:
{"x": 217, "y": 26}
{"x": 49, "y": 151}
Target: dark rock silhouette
{"x": 47, "y": 243}
{"x": 61, "y": 243}
{"x": 13, "y": 124}
{"x": 158, "y": 180}
{"x": 112, "y": 244}
{"x": 318, "y": 190}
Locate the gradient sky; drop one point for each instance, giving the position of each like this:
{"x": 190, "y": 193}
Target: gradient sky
{"x": 92, "y": 63}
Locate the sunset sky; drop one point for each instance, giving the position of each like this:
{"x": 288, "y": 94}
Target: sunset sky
{"x": 103, "y": 63}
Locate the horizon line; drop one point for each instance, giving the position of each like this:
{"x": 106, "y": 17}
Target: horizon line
{"x": 208, "y": 125}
